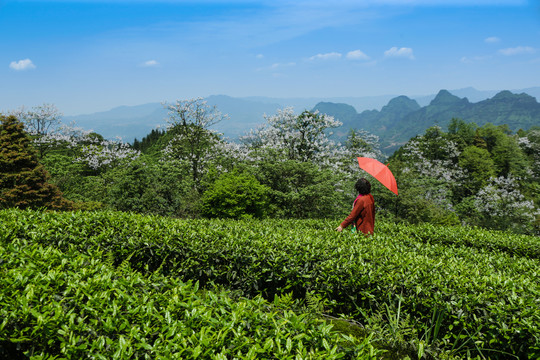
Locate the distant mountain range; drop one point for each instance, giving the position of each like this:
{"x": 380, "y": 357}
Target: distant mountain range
{"x": 403, "y": 118}
{"x": 398, "y": 119}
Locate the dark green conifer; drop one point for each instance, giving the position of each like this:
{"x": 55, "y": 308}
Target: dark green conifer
{"x": 23, "y": 180}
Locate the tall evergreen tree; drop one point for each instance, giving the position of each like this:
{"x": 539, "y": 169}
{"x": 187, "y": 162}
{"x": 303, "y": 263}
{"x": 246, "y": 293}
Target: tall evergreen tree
{"x": 23, "y": 180}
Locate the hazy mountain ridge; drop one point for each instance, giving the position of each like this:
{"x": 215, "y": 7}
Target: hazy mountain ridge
{"x": 130, "y": 122}
{"x": 403, "y": 118}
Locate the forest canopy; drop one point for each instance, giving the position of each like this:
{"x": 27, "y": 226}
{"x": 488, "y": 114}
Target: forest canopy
{"x": 291, "y": 167}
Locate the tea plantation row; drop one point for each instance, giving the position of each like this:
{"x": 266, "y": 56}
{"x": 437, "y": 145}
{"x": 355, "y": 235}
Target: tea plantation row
{"x": 468, "y": 290}
{"x": 66, "y": 305}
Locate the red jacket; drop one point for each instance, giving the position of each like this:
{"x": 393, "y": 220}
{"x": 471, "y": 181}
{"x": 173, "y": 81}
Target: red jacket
{"x": 362, "y": 214}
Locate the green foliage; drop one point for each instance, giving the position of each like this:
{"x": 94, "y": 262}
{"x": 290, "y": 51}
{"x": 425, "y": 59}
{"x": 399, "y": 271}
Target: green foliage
{"x": 483, "y": 283}
{"x": 479, "y": 166}
{"x": 23, "y": 180}
{"x": 507, "y": 156}
{"x": 482, "y": 176}
{"x": 300, "y": 189}
{"x": 443, "y": 177}
{"x": 462, "y": 133}
{"x": 145, "y": 186}
{"x": 64, "y": 304}
{"x": 235, "y": 195}
{"x": 149, "y": 140}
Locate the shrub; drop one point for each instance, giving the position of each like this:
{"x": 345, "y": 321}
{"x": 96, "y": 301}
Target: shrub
{"x": 235, "y": 195}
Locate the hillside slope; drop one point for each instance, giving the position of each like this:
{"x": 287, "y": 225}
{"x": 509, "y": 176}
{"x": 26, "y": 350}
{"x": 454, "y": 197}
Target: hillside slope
{"x": 403, "y": 118}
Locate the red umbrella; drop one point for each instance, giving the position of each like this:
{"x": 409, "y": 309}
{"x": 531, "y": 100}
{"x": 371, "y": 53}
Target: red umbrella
{"x": 379, "y": 171}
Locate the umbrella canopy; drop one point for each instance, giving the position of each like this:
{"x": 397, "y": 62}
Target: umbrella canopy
{"x": 379, "y": 171}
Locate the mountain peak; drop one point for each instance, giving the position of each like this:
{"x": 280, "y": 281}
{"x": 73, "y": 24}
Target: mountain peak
{"x": 401, "y": 103}
{"x": 506, "y": 95}
{"x": 444, "y": 97}
{"x": 401, "y": 99}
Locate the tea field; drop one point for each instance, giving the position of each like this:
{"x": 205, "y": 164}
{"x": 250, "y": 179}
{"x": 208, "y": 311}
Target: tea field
{"x": 108, "y": 285}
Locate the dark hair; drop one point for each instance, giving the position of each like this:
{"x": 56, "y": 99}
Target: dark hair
{"x": 363, "y": 186}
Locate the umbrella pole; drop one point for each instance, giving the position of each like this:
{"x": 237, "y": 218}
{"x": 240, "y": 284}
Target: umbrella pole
{"x": 396, "y": 206}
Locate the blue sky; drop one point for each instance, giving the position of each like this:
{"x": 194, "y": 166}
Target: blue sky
{"x": 88, "y": 56}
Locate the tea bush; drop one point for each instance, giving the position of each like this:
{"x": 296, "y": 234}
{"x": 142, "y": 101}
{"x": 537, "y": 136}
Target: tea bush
{"x": 68, "y": 305}
{"x": 478, "y": 289}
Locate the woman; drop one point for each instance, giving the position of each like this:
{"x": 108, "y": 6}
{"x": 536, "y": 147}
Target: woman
{"x": 363, "y": 213}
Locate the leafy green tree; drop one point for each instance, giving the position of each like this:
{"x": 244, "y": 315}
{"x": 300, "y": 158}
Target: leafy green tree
{"x": 479, "y": 140}
{"x": 479, "y": 166}
{"x": 508, "y": 157}
{"x": 504, "y": 149}
{"x": 463, "y": 133}
{"x": 149, "y": 140}
{"x": 421, "y": 199}
{"x": 491, "y": 135}
{"x": 23, "y": 180}
{"x": 72, "y": 178}
{"x": 235, "y": 195}
{"x": 148, "y": 186}
{"x": 301, "y": 189}
{"x": 434, "y": 144}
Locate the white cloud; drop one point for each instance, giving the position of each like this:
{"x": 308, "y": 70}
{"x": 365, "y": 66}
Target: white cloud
{"x": 399, "y": 52}
{"x": 259, "y": 56}
{"x": 492, "y": 40}
{"x": 470, "y": 60}
{"x": 280, "y": 65}
{"x": 277, "y": 66}
{"x": 357, "y": 55}
{"x": 150, "y": 63}
{"x": 517, "y": 50}
{"x": 327, "y": 56}
{"x": 25, "y": 64}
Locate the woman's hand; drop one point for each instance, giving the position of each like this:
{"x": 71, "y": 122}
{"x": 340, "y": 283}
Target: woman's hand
{"x": 339, "y": 228}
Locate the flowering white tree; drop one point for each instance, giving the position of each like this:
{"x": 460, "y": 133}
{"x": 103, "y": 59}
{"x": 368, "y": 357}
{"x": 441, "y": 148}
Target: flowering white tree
{"x": 461, "y": 176}
{"x": 287, "y": 136}
{"x": 290, "y": 136}
{"x": 98, "y": 154}
{"x": 440, "y": 164}
{"x": 89, "y": 147}
{"x": 67, "y": 136}
{"x": 299, "y": 161}
{"x": 44, "y": 123}
{"x": 40, "y": 121}
{"x": 429, "y": 174}
{"x": 531, "y": 146}
{"x": 502, "y": 206}
{"x": 190, "y": 122}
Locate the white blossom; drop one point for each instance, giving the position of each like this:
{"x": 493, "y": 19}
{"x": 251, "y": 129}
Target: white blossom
{"x": 106, "y": 153}
{"x": 295, "y": 137}
{"x": 193, "y": 112}
{"x": 444, "y": 169}
{"x": 503, "y": 203}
